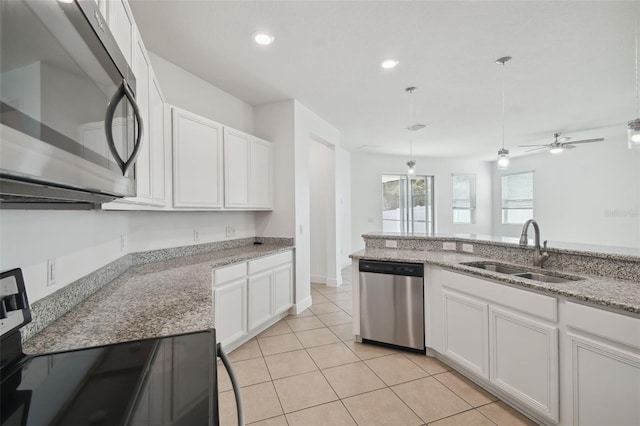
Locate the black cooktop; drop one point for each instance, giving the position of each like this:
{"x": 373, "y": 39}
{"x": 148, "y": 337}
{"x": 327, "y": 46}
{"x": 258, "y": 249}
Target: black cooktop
{"x": 159, "y": 381}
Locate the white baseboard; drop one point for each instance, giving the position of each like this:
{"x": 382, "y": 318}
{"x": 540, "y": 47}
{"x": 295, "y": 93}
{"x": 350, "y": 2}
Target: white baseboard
{"x": 300, "y": 306}
{"x": 334, "y": 282}
{"x": 318, "y": 279}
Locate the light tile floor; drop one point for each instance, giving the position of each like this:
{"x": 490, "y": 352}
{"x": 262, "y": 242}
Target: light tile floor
{"x": 307, "y": 370}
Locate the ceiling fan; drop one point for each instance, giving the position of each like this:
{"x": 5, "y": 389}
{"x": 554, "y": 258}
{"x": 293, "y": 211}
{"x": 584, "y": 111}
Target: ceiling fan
{"x": 560, "y": 144}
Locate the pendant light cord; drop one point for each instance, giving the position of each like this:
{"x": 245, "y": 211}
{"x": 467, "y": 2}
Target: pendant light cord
{"x": 503, "y": 104}
{"x": 410, "y": 123}
{"x": 636, "y": 46}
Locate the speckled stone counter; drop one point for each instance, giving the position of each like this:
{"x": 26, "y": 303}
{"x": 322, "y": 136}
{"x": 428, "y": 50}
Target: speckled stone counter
{"x": 623, "y": 295}
{"x": 153, "y": 299}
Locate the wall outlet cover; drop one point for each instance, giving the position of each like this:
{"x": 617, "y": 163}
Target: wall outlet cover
{"x": 448, "y": 246}
{"x": 391, "y": 243}
{"x": 467, "y": 247}
{"x": 51, "y": 272}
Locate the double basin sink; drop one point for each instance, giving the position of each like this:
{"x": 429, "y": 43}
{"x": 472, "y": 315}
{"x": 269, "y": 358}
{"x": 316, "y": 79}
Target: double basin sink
{"x": 520, "y": 272}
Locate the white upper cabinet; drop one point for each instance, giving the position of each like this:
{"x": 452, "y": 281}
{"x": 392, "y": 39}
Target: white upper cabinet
{"x": 142, "y": 70}
{"x": 247, "y": 162}
{"x": 197, "y": 161}
{"x": 122, "y": 26}
{"x": 260, "y": 185}
{"x": 236, "y": 168}
{"x": 157, "y": 137}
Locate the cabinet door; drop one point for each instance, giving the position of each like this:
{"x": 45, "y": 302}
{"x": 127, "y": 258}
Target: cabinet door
{"x": 236, "y": 168}
{"x": 122, "y": 26}
{"x": 260, "y": 291}
{"x": 524, "y": 360}
{"x": 282, "y": 288}
{"x": 141, "y": 69}
{"x": 231, "y": 311}
{"x": 606, "y": 383}
{"x": 197, "y": 161}
{"x": 465, "y": 333}
{"x": 157, "y": 142}
{"x": 260, "y": 187}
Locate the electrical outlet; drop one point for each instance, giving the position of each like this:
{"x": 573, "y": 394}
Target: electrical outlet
{"x": 391, "y": 243}
{"x": 196, "y": 235}
{"x": 448, "y": 246}
{"x": 123, "y": 243}
{"x": 51, "y": 272}
{"x": 233, "y": 231}
{"x": 229, "y": 231}
{"x": 467, "y": 247}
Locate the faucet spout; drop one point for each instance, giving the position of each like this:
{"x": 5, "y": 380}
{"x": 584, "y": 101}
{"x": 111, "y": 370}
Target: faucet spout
{"x": 539, "y": 257}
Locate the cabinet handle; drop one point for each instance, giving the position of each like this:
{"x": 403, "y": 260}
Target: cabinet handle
{"x": 234, "y": 383}
{"x": 123, "y": 91}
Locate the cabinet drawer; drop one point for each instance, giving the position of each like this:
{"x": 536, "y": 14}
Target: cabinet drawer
{"x": 544, "y": 307}
{"x": 229, "y": 273}
{"x": 616, "y": 327}
{"x": 270, "y": 262}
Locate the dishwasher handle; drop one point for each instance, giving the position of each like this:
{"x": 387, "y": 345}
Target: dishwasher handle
{"x": 392, "y": 268}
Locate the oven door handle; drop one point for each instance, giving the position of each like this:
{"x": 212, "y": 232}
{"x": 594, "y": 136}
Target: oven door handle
{"x": 234, "y": 383}
{"x": 123, "y": 91}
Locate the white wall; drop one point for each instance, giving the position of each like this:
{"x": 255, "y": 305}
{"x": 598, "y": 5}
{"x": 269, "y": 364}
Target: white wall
{"x": 343, "y": 188}
{"x": 590, "y": 194}
{"x": 275, "y": 123}
{"x": 366, "y": 192}
{"x": 321, "y": 189}
{"x": 183, "y": 89}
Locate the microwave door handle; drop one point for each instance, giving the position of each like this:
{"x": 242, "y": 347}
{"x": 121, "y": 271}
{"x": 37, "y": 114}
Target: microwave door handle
{"x": 123, "y": 91}
{"x": 136, "y": 112}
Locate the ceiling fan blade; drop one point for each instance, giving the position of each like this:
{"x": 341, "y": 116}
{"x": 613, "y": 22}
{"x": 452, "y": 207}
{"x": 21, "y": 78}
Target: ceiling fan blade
{"x": 588, "y": 141}
{"x": 522, "y": 146}
{"x": 567, "y": 146}
{"x": 536, "y": 149}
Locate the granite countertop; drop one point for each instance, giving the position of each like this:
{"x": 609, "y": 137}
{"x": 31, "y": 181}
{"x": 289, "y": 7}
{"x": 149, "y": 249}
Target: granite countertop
{"x": 154, "y": 299}
{"x": 608, "y": 292}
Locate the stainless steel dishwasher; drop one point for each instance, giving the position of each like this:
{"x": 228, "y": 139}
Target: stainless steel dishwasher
{"x": 392, "y": 304}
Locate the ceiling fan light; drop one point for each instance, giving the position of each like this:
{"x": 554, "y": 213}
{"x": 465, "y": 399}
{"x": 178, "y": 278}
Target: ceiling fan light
{"x": 556, "y": 149}
{"x": 503, "y": 159}
{"x": 634, "y": 134}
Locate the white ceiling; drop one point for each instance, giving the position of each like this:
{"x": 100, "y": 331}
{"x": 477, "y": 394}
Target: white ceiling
{"x": 572, "y": 69}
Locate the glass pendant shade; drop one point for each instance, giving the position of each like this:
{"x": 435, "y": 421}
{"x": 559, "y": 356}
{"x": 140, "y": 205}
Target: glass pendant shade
{"x": 503, "y": 159}
{"x": 411, "y": 171}
{"x": 634, "y": 134}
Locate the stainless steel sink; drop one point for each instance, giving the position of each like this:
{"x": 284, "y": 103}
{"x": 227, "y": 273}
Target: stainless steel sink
{"x": 496, "y": 267}
{"x": 520, "y": 272}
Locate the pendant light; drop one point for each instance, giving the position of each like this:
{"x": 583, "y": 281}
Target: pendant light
{"x": 634, "y": 125}
{"x": 411, "y": 164}
{"x": 503, "y": 154}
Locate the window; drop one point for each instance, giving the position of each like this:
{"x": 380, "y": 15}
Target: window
{"x": 517, "y": 198}
{"x": 407, "y": 208}
{"x": 464, "y": 198}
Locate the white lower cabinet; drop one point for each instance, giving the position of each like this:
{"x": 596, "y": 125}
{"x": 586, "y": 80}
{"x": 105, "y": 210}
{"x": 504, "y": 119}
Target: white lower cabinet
{"x": 231, "y": 311}
{"x": 524, "y": 359}
{"x": 603, "y": 354}
{"x": 466, "y": 334}
{"x": 251, "y": 296}
{"x": 260, "y": 291}
{"x": 515, "y": 349}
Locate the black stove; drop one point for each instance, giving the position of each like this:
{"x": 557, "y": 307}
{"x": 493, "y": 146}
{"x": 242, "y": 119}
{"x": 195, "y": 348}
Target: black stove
{"x": 159, "y": 381}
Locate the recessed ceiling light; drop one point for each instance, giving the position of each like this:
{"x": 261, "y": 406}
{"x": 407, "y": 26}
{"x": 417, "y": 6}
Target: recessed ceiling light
{"x": 263, "y": 39}
{"x": 389, "y": 63}
{"x": 65, "y": 1}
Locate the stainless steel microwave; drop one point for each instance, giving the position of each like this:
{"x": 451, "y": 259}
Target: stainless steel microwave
{"x": 70, "y": 129}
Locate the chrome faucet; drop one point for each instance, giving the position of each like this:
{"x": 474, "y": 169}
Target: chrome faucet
{"x": 539, "y": 256}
